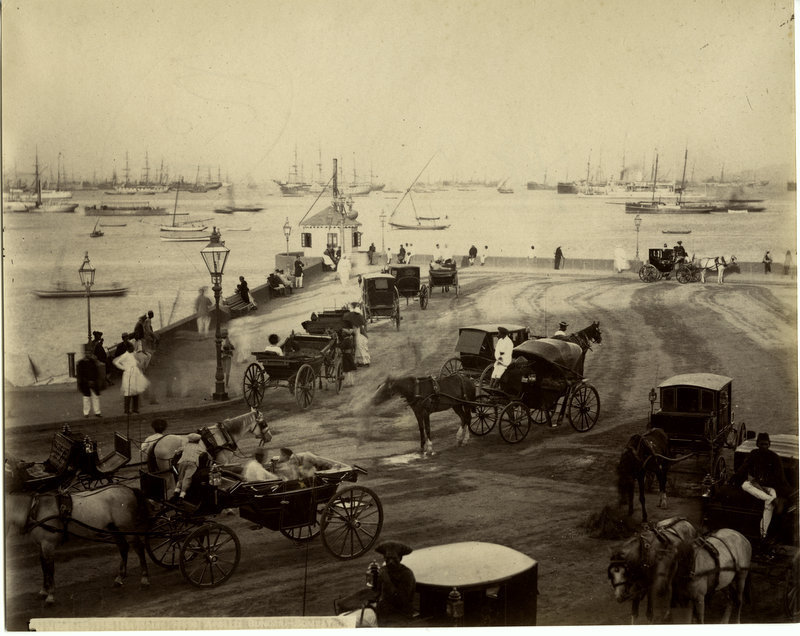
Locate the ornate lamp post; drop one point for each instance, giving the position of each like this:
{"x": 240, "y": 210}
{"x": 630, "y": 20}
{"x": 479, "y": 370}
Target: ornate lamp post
{"x": 637, "y": 221}
{"x": 287, "y": 232}
{"x": 215, "y": 254}
{"x": 86, "y": 273}
{"x": 383, "y": 224}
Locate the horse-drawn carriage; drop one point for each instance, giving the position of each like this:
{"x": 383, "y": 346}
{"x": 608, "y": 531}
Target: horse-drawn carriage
{"x": 409, "y": 284}
{"x": 696, "y": 413}
{"x": 306, "y": 359}
{"x": 380, "y": 297}
{"x": 660, "y": 264}
{"x": 475, "y": 348}
{"x": 543, "y": 373}
{"x": 443, "y": 274}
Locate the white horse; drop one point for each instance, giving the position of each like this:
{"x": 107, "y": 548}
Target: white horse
{"x": 717, "y": 264}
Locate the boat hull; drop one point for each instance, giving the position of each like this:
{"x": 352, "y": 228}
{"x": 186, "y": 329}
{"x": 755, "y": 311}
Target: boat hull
{"x": 80, "y": 293}
{"x": 421, "y": 226}
{"x": 133, "y": 210}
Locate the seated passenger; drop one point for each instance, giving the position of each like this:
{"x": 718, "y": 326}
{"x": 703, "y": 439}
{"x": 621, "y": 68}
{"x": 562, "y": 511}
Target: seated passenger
{"x": 275, "y": 284}
{"x": 286, "y": 466}
{"x": 285, "y": 279}
{"x": 309, "y": 464}
{"x": 254, "y": 469}
{"x": 273, "y": 347}
{"x": 158, "y": 426}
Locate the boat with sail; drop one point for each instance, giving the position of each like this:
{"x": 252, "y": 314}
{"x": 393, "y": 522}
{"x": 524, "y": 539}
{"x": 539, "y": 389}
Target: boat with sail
{"x": 294, "y": 186}
{"x": 234, "y": 207}
{"x": 183, "y": 226}
{"x": 40, "y": 204}
{"x": 95, "y": 232}
{"x": 657, "y": 206}
{"x": 420, "y": 222}
{"x": 505, "y": 189}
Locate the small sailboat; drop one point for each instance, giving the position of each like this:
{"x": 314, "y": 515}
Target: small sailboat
{"x": 505, "y": 189}
{"x": 420, "y": 222}
{"x": 232, "y": 207}
{"x": 95, "y": 232}
{"x": 184, "y": 226}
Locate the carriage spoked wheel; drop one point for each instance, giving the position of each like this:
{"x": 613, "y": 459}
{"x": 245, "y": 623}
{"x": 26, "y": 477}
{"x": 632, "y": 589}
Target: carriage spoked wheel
{"x": 451, "y": 366}
{"x": 741, "y": 436}
{"x": 485, "y": 381}
{"x": 720, "y": 470}
{"x": 304, "y": 386}
{"x": 165, "y": 536}
{"x": 351, "y": 522}
{"x": 209, "y": 555}
{"x": 541, "y": 415}
{"x": 515, "y": 422}
{"x": 423, "y": 297}
{"x": 484, "y": 415}
{"x": 338, "y": 375}
{"x": 648, "y": 273}
{"x": 583, "y": 408}
{"x": 253, "y": 385}
{"x": 303, "y": 533}
{"x": 684, "y": 275}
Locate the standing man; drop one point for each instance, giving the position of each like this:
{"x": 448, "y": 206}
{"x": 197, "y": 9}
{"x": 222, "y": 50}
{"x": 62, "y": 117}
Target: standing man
{"x": 87, "y": 375}
{"x": 202, "y": 305}
{"x": 388, "y": 255}
{"x": 227, "y": 355}
{"x": 299, "y": 265}
{"x": 483, "y": 254}
{"x": 502, "y": 355}
{"x": 558, "y": 257}
{"x": 767, "y": 260}
{"x": 100, "y": 353}
{"x": 150, "y": 338}
{"x": 473, "y": 254}
{"x": 371, "y": 253}
{"x": 409, "y": 249}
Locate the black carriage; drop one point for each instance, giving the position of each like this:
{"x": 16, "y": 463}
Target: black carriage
{"x": 544, "y": 373}
{"x": 661, "y": 263}
{"x": 306, "y": 360}
{"x": 380, "y": 298}
{"x": 444, "y": 275}
{"x": 324, "y": 321}
{"x": 696, "y": 412}
{"x": 184, "y": 535}
{"x": 409, "y": 284}
{"x": 475, "y": 348}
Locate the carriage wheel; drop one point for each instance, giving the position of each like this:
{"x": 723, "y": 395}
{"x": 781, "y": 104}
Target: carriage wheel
{"x": 584, "y": 407}
{"x": 720, "y": 471}
{"x": 351, "y": 522}
{"x": 209, "y": 555}
{"x": 515, "y": 422}
{"x": 648, "y": 273}
{"x": 741, "y": 436}
{"x": 541, "y": 415}
{"x": 423, "y": 297}
{"x": 485, "y": 380}
{"x": 253, "y": 385}
{"x": 338, "y": 376}
{"x": 303, "y": 533}
{"x": 164, "y": 538}
{"x": 684, "y": 275}
{"x": 304, "y": 386}
{"x": 484, "y": 415}
{"x": 451, "y": 366}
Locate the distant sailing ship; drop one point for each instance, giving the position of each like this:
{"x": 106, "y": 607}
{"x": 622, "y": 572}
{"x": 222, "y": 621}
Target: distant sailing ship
{"x": 421, "y": 222}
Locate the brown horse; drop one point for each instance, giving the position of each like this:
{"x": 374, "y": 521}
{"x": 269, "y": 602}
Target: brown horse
{"x": 648, "y": 453}
{"x": 715, "y": 562}
{"x": 430, "y": 395}
{"x": 103, "y": 515}
{"x": 631, "y": 570}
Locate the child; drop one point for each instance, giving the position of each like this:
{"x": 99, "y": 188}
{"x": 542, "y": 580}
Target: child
{"x": 193, "y": 450}
{"x": 286, "y": 466}
{"x": 273, "y": 345}
{"x": 159, "y": 426}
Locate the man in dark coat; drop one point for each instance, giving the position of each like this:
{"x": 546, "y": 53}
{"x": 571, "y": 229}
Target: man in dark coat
{"x": 396, "y": 584}
{"x": 87, "y": 375}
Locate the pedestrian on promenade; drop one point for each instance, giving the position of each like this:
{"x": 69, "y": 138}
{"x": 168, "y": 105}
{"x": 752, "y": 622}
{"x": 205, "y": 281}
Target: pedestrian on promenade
{"x": 158, "y": 426}
{"x": 362, "y": 358}
{"x": 473, "y": 254}
{"x": 133, "y": 380}
{"x": 409, "y": 249}
{"x": 138, "y": 333}
{"x": 88, "y": 377}
{"x": 401, "y": 254}
{"x": 150, "y": 338}
{"x": 787, "y": 263}
{"x": 388, "y": 255}
{"x": 558, "y": 258}
{"x": 483, "y": 255}
{"x": 370, "y": 254}
{"x": 227, "y": 355}
{"x": 202, "y": 306}
{"x": 244, "y": 292}
{"x": 348, "y": 343}
{"x": 99, "y": 351}
{"x": 767, "y": 260}
{"x": 531, "y": 254}
{"x": 299, "y": 265}
{"x": 344, "y": 270}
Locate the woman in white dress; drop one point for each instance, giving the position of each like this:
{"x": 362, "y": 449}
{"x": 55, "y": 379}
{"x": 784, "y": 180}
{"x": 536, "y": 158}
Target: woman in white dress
{"x": 133, "y": 380}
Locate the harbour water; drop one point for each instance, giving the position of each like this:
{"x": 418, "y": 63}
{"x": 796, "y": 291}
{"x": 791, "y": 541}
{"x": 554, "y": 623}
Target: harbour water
{"x": 42, "y": 249}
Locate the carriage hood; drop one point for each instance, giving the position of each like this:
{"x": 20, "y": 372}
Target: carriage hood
{"x": 558, "y": 352}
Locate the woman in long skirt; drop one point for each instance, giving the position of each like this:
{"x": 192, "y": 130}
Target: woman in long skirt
{"x": 133, "y": 380}
{"x": 348, "y": 334}
{"x": 362, "y": 340}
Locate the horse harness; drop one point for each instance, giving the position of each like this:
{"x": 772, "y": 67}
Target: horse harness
{"x": 702, "y": 543}
{"x": 641, "y": 569}
{"x": 64, "y": 514}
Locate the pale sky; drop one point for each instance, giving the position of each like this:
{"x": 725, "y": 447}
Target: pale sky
{"x": 496, "y": 89}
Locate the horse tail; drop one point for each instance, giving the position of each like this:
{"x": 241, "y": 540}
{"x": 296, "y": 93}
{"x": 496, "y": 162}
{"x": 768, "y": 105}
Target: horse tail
{"x": 142, "y": 507}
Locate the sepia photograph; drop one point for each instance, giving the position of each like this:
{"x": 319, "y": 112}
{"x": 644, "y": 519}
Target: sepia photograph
{"x": 408, "y": 314}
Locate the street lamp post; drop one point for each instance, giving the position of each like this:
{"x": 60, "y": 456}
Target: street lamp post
{"x": 86, "y": 272}
{"x": 215, "y": 254}
{"x": 637, "y": 221}
{"x": 287, "y": 232}
{"x": 383, "y": 224}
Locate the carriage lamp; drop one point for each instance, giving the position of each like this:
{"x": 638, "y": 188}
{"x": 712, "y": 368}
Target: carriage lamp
{"x": 372, "y": 575}
{"x": 455, "y": 605}
{"x": 287, "y": 232}
{"x": 86, "y": 272}
{"x": 652, "y": 397}
{"x": 215, "y": 254}
{"x": 637, "y": 221}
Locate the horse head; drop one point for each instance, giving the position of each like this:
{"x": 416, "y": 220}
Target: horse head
{"x": 384, "y": 391}
{"x": 625, "y": 572}
{"x": 251, "y": 423}
{"x": 13, "y": 475}
{"x": 594, "y": 333}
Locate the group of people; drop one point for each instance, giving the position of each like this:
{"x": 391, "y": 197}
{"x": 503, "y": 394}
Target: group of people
{"x": 472, "y": 254}
{"x": 331, "y": 257}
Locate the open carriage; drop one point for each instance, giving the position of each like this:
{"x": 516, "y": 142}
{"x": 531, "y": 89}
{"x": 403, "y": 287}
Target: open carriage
{"x": 409, "y": 284}
{"x": 544, "y": 373}
{"x": 307, "y": 359}
{"x": 696, "y": 412}
{"x": 444, "y": 275}
{"x": 475, "y": 348}
{"x": 380, "y": 298}
{"x": 348, "y": 518}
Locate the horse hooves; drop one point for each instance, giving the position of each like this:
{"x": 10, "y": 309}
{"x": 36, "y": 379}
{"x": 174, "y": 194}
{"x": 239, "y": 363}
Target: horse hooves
{"x": 43, "y": 593}
{"x": 118, "y": 581}
{"x": 144, "y": 584}
{"x": 50, "y": 600}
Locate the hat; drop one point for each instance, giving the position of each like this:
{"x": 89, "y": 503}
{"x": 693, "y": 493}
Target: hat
{"x": 502, "y": 331}
{"x": 97, "y": 334}
{"x": 563, "y": 325}
{"x": 193, "y": 437}
{"x": 762, "y": 437}
{"x": 395, "y": 548}
{"x": 680, "y": 242}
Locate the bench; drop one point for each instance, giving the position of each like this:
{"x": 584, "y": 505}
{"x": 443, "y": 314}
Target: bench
{"x": 117, "y": 458}
{"x": 236, "y": 305}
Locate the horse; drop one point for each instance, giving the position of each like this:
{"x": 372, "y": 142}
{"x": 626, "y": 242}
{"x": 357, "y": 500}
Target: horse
{"x": 584, "y": 339}
{"x": 103, "y": 515}
{"x": 715, "y": 562}
{"x": 228, "y": 431}
{"x": 428, "y": 395}
{"x": 717, "y": 264}
{"x": 631, "y": 570}
{"x": 643, "y": 454}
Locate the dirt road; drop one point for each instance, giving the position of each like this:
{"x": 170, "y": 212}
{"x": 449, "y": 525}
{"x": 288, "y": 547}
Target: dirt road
{"x": 533, "y": 496}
